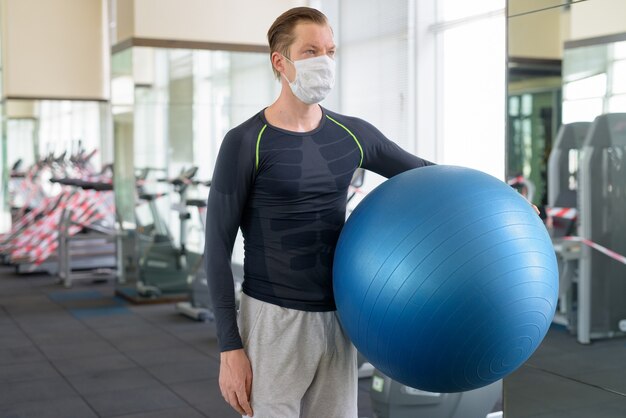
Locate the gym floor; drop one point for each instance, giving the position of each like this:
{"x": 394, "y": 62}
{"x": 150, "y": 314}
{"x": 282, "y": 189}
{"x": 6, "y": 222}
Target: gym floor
{"x": 81, "y": 352}
{"x": 565, "y": 379}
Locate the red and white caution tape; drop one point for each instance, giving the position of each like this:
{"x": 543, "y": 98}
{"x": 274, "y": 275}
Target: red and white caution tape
{"x": 598, "y": 247}
{"x": 516, "y": 180}
{"x": 565, "y": 213}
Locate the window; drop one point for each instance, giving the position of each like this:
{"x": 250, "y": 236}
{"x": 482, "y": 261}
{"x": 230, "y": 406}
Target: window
{"x": 429, "y": 74}
{"x": 472, "y": 86}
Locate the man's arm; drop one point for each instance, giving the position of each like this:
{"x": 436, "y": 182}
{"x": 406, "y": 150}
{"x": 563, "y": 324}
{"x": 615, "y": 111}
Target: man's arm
{"x": 230, "y": 187}
{"x": 383, "y": 156}
{"x": 386, "y": 158}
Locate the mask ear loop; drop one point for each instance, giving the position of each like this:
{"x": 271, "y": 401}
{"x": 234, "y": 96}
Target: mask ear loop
{"x": 283, "y": 74}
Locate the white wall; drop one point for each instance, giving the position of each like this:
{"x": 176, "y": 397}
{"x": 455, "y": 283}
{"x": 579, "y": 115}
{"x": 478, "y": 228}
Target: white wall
{"x": 54, "y": 49}
{"x": 124, "y": 19}
{"x": 18, "y": 109}
{"x": 228, "y": 21}
{"x": 535, "y": 35}
{"x": 541, "y": 34}
{"x": 597, "y": 18}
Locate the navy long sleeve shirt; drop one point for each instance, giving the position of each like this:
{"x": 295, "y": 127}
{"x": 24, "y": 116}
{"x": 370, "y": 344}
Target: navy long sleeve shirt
{"x": 287, "y": 192}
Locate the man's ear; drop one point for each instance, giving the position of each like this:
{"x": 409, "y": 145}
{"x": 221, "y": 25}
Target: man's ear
{"x": 278, "y": 62}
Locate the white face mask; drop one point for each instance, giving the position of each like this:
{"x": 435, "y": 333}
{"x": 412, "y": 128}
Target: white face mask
{"x": 315, "y": 78}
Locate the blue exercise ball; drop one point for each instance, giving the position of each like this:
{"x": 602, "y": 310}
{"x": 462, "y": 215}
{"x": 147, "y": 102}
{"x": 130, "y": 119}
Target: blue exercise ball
{"x": 445, "y": 279}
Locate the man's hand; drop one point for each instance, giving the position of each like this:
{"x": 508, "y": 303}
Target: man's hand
{"x": 236, "y": 380}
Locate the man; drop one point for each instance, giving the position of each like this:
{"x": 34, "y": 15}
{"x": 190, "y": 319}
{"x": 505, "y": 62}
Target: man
{"x": 282, "y": 176}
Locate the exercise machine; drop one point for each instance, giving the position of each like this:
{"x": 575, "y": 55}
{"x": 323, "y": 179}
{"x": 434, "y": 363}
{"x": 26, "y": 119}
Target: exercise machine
{"x": 602, "y": 204}
{"x": 590, "y": 241}
{"x": 164, "y": 267}
{"x": 563, "y": 179}
{"x": 87, "y": 232}
{"x": 35, "y": 236}
{"x": 200, "y": 305}
{"x": 391, "y": 399}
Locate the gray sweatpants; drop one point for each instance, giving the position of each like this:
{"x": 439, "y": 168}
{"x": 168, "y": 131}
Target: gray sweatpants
{"x": 303, "y": 365}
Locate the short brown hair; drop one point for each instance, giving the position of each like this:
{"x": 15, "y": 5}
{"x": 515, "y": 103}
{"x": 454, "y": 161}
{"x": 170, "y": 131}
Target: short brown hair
{"x": 280, "y": 35}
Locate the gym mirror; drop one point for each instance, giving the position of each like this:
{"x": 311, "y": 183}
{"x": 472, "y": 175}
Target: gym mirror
{"x": 566, "y": 67}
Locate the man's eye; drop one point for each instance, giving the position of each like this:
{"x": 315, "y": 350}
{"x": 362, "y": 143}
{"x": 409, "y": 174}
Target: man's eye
{"x": 331, "y": 53}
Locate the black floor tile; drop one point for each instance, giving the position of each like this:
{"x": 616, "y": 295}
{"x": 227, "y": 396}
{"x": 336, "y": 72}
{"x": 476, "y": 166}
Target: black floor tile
{"x": 65, "y": 336}
{"x": 163, "y": 314}
{"x": 200, "y": 392}
{"x": 614, "y": 379}
{"x": 615, "y": 409}
{"x": 178, "y": 354}
{"x": 14, "y": 340}
{"x": 184, "y": 371}
{"x": 127, "y": 331}
{"x": 50, "y": 324}
{"x": 188, "y": 326}
{"x": 561, "y": 376}
{"x": 112, "y": 380}
{"x": 35, "y": 390}
{"x": 149, "y": 361}
{"x": 26, "y": 302}
{"x": 218, "y": 409}
{"x": 147, "y": 342}
{"x": 27, "y": 371}
{"x": 73, "y": 407}
{"x": 108, "y": 404}
{"x": 115, "y": 320}
{"x": 77, "y": 349}
{"x": 520, "y": 406}
{"x": 203, "y": 337}
{"x": 33, "y": 309}
{"x": 93, "y": 364}
{"x": 204, "y": 342}
{"x": 188, "y": 412}
{"x": 589, "y": 360}
{"x": 156, "y": 311}
{"x": 542, "y": 390}
{"x": 5, "y": 319}
{"x": 20, "y": 355}
{"x": 8, "y": 326}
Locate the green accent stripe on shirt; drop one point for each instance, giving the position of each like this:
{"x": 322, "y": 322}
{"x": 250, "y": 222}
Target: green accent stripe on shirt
{"x": 352, "y": 135}
{"x": 258, "y": 142}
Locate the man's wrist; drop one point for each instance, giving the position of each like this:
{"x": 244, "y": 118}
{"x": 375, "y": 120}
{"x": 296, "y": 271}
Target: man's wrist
{"x": 230, "y": 353}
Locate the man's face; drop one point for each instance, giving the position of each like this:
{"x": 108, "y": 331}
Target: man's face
{"x": 311, "y": 40}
